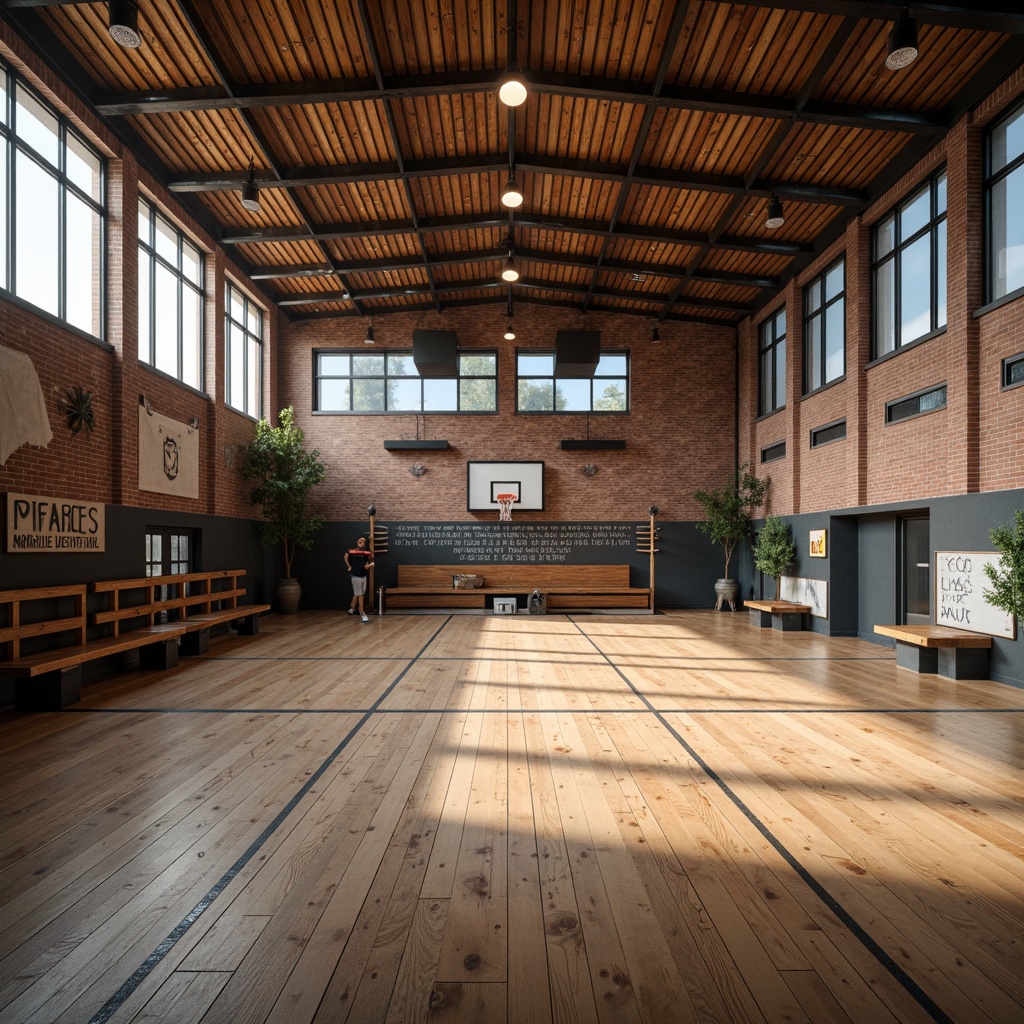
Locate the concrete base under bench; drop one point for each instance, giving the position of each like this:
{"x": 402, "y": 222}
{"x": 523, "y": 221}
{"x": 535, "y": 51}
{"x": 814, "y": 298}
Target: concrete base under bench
{"x": 952, "y": 653}
{"x": 781, "y": 615}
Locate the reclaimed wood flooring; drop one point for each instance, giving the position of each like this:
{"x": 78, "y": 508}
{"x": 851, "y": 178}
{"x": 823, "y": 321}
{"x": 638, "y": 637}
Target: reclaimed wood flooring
{"x": 517, "y": 819}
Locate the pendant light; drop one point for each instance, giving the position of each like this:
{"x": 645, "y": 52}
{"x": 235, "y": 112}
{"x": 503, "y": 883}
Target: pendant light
{"x": 369, "y": 339}
{"x": 510, "y": 335}
{"x": 251, "y": 190}
{"x": 512, "y": 194}
{"x": 123, "y": 23}
{"x": 776, "y": 217}
{"x": 512, "y": 87}
{"x": 509, "y": 270}
{"x": 902, "y": 42}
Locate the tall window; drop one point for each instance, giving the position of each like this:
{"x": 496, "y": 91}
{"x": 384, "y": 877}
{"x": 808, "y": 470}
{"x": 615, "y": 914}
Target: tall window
{"x": 539, "y": 390}
{"x": 168, "y": 551}
{"x": 243, "y": 347}
{"x": 389, "y": 382}
{"x": 825, "y": 328}
{"x": 170, "y": 298}
{"x": 909, "y": 269}
{"x": 1004, "y": 191}
{"x": 52, "y": 215}
{"x": 772, "y": 363}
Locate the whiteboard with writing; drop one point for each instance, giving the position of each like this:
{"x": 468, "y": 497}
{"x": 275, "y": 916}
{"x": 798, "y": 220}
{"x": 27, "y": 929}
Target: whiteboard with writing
{"x": 960, "y": 584}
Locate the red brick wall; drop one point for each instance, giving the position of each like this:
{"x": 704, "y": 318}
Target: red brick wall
{"x": 679, "y": 436}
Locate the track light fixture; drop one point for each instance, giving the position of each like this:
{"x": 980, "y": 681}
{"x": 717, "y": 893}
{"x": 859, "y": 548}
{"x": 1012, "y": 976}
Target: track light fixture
{"x": 251, "y": 190}
{"x": 510, "y": 335}
{"x": 369, "y": 339}
{"x": 512, "y": 194}
{"x": 776, "y": 217}
{"x": 123, "y": 23}
{"x": 902, "y": 42}
{"x": 512, "y": 87}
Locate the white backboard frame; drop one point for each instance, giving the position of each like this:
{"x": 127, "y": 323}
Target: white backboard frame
{"x": 486, "y": 480}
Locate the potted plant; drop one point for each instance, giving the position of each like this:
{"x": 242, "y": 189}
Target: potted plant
{"x": 727, "y": 521}
{"x": 1007, "y": 575}
{"x": 283, "y": 472}
{"x": 774, "y": 552}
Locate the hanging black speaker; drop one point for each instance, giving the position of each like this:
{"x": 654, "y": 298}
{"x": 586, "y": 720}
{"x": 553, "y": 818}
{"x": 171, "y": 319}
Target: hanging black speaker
{"x": 577, "y": 353}
{"x": 436, "y": 353}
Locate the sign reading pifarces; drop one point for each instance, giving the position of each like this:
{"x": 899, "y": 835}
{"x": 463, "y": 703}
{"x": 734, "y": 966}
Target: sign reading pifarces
{"x": 38, "y": 524}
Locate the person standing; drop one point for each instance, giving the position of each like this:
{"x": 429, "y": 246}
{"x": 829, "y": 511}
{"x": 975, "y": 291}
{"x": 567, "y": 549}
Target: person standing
{"x": 358, "y": 560}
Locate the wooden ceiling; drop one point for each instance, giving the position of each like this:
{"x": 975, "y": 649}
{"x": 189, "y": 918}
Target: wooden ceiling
{"x": 652, "y": 139}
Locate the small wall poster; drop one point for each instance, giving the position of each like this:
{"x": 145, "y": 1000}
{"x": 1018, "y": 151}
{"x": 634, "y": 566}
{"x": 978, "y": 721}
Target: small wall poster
{"x": 40, "y": 524}
{"x": 817, "y": 546}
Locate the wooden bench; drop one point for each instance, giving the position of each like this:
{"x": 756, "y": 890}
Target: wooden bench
{"x": 196, "y": 601}
{"x": 953, "y": 653}
{"x": 566, "y": 587}
{"x": 782, "y": 615}
{"x": 50, "y": 677}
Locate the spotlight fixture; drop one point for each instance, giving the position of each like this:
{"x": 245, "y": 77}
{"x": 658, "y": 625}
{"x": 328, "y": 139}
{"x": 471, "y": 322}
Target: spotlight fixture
{"x": 510, "y": 335}
{"x": 251, "y": 190}
{"x": 776, "y": 217}
{"x": 369, "y": 339}
{"x": 123, "y": 23}
{"x": 509, "y": 271}
{"x": 902, "y": 42}
{"x": 512, "y": 87}
{"x": 512, "y": 194}
{"x": 655, "y": 334}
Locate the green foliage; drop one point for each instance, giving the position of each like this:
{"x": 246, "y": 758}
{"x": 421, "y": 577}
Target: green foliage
{"x": 1007, "y": 576}
{"x": 283, "y": 473}
{"x": 727, "y": 511}
{"x": 774, "y": 552}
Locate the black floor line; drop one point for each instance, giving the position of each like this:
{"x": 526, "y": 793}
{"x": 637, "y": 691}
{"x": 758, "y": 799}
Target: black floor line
{"x": 874, "y": 948}
{"x": 150, "y": 963}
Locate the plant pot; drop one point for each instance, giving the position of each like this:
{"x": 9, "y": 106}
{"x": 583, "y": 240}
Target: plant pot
{"x": 727, "y": 592}
{"x": 287, "y": 594}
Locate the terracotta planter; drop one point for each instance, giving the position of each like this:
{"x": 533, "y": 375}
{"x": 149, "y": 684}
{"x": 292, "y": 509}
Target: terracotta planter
{"x": 287, "y": 594}
{"x": 727, "y": 592}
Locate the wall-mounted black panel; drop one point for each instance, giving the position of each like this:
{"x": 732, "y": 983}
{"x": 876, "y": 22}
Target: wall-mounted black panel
{"x": 596, "y": 445}
{"x": 436, "y": 353}
{"x": 397, "y": 446}
{"x": 577, "y": 353}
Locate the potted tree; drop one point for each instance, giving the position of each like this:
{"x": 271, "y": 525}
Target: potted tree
{"x": 1007, "y": 575}
{"x": 774, "y": 552}
{"x": 727, "y": 521}
{"x": 283, "y": 473}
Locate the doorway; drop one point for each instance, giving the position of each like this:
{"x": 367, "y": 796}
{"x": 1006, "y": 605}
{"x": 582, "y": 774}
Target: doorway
{"x": 915, "y": 571}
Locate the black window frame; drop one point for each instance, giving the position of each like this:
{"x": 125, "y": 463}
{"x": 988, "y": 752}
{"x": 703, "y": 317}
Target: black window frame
{"x": 916, "y": 397}
{"x": 12, "y": 145}
{"x": 820, "y": 314}
{"x": 937, "y": 267}
{"x": 545, "y": 353}
{"x": 769, "y": 343}
{"x": 318, "y": 377}
{"x": 992, "y": 178}
{"x": 773, "y": 452}
{"x": 1008, "y": 366}
{"x": 231, "y": 324}
{"x": 828, "y": 433}
{"x": 154, "y": 257}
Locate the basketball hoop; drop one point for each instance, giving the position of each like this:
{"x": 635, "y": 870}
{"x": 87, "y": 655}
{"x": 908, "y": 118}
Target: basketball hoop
{"x": 505, "y": 503}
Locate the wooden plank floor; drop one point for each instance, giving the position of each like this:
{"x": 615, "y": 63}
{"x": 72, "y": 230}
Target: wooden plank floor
{"x": 523, "y": 819}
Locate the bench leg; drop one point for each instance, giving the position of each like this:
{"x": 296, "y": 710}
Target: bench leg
{"x": 917, "y": 659}
{"x": 762, "y": 620}
{"x": 963, "y": 662}
{"x": 161, "y": 654}
{"x": 196, "y": 643}
{"x": 249, "y": 625}
{"x": 788, "y": 621}
{"x": 50, "y": 691}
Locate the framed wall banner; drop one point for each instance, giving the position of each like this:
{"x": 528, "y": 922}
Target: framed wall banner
{"x": 39, "y": 524}
{"x": 960, "y": 584}
{"x": 817, "y": 548}
{"x": 486, "y": 480}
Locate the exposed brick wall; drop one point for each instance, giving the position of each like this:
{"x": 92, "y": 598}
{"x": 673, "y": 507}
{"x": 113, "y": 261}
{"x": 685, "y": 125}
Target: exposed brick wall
{"x": 679, "y": 435}
{"x": 1002, "y": 411}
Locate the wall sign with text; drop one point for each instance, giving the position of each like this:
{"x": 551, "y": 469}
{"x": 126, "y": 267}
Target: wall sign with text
{"x": 38, "y": 524}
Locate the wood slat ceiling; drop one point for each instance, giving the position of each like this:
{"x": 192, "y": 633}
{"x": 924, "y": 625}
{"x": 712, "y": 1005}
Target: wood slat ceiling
{"x": 653, "y": 136}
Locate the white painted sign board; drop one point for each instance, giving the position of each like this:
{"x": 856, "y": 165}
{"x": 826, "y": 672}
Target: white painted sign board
{"x": 960, "y": 585}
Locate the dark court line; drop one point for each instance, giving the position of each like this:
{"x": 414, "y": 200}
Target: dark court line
{"x": 152, "y": 961}
{"x": 906, "y": 982}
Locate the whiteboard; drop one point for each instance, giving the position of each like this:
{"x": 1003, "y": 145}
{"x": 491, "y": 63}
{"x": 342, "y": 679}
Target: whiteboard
{"x": 800, "y": 590}
{"x": 960, "y": 584}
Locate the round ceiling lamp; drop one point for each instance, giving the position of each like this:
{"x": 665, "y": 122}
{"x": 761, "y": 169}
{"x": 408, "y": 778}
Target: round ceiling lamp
{"x": 512, "y": 194}
{"x": 902, "y": 42}
{"x": 512, "y": 87}
{"x": 776, "y": 217}
{"x": 251, "y": 190}
{"x": 509, "y": 270}
{"x": 510, "y": 335}
{"x": 123, "y": 23}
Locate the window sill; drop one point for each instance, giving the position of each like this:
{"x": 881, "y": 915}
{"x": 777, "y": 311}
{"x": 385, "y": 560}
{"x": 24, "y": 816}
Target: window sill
{"x": 904, "y": 348}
